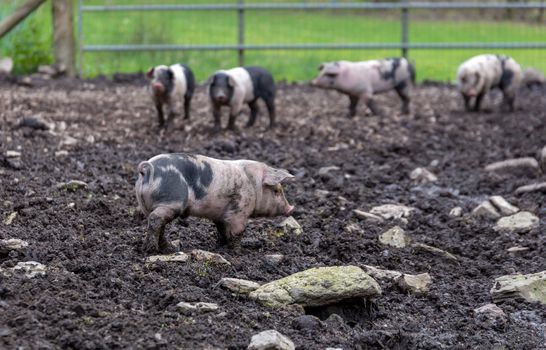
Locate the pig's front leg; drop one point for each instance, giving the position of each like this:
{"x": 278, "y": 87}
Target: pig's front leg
{"x": 404, "y": 93}
{"x": 478, "y": 101}
{"x": 217, "y": 114}
{"x": 368, "y": 100}
{"x": 234, "y": 113}
{"x": 229, "y": 230}
{"x": 353, "y": 101}
{"x": 187, "y": 105}
{"x": 159, "y": 108}
{"x": 155, "y": 239}
{"x": 170, "y": 113}
{"x": 467, "y": 103}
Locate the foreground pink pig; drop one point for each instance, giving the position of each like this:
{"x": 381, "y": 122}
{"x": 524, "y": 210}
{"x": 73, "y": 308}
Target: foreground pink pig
{"x": 362, "y": 80}
{"x": 228, "y": 192}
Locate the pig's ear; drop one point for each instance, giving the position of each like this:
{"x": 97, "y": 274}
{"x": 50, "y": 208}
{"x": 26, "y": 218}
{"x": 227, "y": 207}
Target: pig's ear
{"x": 211, "y": 79}
{"x": 231, "y": 81}
{"x": 150, "y": 73}
{"x": 170, "y": 74}
{"x": 321, "y": 67}
{"x": 273, "y": 177}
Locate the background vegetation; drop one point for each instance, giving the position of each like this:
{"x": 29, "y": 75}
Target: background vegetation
{"x": 30, "y": 43}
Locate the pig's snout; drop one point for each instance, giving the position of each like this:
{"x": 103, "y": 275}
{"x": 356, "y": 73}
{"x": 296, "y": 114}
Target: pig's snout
{"x": 289, "y": 210}
{"x": 221, "y": 98}
{"x": 157, "y": 87}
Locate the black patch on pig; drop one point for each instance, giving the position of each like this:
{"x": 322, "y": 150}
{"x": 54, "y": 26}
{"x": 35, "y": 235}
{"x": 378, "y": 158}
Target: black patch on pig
{"x": 220, "y": 82}
{"x": 262, "y": 83}
{"x": 507, "y": 75}
{"x": 412, "y": 73}
{"x": 197, "y": 177}
{"x": 172, "y": 189}
{"x": 390, "y": 74}
{"x": 190, "y": 81}
{"x": 166, "y": 78}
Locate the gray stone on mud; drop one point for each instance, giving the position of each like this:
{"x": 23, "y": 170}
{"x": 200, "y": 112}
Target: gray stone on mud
{"x": 392, "y": 211}
{"x": 199, "y": 307}
{"x": 434, "y": 250}
{"x": 422, "y": 175}
{"x": 30, "y": 269}
{"x": 542, "y": 158}
{"x": 486, "y": 210}
{"x": 9, "y": 219}
{"x": 325, "y": 170}
{"x": 456, "y": 212}
{"x": 381, "y": 274}
{"x": 318, "y": 286}
{"x": 270, "y": 340}
{"x": 72, "y": 185}
{"x": 531, "y": 287}
{"x": 521, "y": 222}
{"x": 490, "y": 310}
{"x": 536, "y": 187}
{"x": 525, "y": 165}
{"x": 503, "y": 206}
{"x": 239, "y": 285}
{"x": 291, "y": 226}
{"x": 176, "y": 257}
{"x": 203, "y": 255}
{"x": 395, "y": 237}
{"x": 417, "y": 284}
{"x": 273, "y": 259}
{"x": 7, "y": 245}
{"x": 367, "y": 216}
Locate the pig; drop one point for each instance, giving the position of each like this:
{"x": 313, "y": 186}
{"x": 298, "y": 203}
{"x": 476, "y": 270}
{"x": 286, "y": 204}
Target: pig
{"x": 479, "y": 74}
{"x": 361, "y": 80}
{"x": 532, "y": 77}
{"x": 170, "y": 85}
{"x": 240, "y": 85}
{"x": 228, "y": 192}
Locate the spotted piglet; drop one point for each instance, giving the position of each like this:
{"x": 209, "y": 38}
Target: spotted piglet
{"x": 228, "y": 192}
{"x": 362, "y": 80}
{"x": 482, "y": 73}
{"x": 169, "y": 86}
{"x": 238, "y": 86}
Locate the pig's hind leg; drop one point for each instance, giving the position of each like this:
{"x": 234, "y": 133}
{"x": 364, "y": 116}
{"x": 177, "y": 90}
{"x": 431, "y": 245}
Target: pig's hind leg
{"x": 160, "y": 118}
{"x": 254, "y": 110}
{"x": 353, "y": 102}
{"x": 403, "y": 92}
{"x": 156, "y": 239}
{"x": 187, "y": 105}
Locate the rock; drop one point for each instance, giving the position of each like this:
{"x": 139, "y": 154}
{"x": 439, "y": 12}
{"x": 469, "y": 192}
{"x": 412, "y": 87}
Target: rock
{"x": 490, "y": 310}
{"x": 47, "y": 70}
{"x": 200, "y": 307}
{"x": 517, "y": 249}
{"x": 9, "y": 219}
{"x": 325, "y": 170}
{"x": 6, "y": 65}
{"x": 530, "y": 287}
{"x": 380, "y": 274}
{"x": 61, "y": 153}
{"x": 291, "y": 226}
{"x": 7, "y": 245}
{"x": 318, "y": 286}
{"x": 456, "y": 212}
{"x": 417, "y": 284}
{"x": 306, "y": 322}
{"x": 273, "y": 259}
{"x": 239, "y": 285}
{"x": 36, "y": 122}
{"x": 72, "y": 185}
{"x": 13, "y": 154}
{"x": 518, "y": 223}
{"x": 203, "y": 255}
{"x": 353, "y": 228}
{"x": 536, "y": 187}
{"x": 422, "y": 175}
{"x": 31, "y": 269}
{"x": 69, "y": 141}
{"x": 176, "y": 257}
{"x": 367, "y": 216}
{"x": 270, "y": 340}
{"x": 526, "y": 165}
{"x": 435, "y": 250}
{"x": 503, "y": 206}
{"x": 321, "y": 193}
{"x": 532, "y": 76}
{"x": 486, "y": 210}
{"x": 392, "y": 211}
{"x": 395, "y": 237}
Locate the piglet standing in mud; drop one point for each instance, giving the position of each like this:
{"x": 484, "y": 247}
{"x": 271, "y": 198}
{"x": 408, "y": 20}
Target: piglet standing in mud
{"x": 169, "y": 86}
{"x": 482, "y": 73}
{"x": 238, "y": 86}
{"x": 228, "y": 192}
{"x": 361, "y": 80}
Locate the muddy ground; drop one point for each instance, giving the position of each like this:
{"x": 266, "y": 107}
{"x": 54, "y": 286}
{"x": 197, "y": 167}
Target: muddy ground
{"x": 99, "y": 294}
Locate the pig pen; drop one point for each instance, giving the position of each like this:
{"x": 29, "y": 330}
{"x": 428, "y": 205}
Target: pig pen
{"x": 98, "y": 293}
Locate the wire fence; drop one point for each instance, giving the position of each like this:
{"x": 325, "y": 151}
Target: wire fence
{"x": 292, "y": 38}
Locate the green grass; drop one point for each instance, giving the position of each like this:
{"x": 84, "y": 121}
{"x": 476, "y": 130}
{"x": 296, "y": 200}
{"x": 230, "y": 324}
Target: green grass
{"x": 284, "y": 27}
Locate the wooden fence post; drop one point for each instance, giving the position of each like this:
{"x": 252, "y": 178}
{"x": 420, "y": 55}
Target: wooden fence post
{"x": 18, "y": 15}
{"x": 64, "y": 46}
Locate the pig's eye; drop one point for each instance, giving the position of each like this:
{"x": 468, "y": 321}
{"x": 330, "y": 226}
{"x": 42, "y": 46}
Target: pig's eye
{"x": 277, "y": 189}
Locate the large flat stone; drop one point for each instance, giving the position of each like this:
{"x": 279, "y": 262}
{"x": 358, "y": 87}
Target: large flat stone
{"x": 518, "y": 223}
{"x": 318, "y": 286}
{"x": 530, "y": 287}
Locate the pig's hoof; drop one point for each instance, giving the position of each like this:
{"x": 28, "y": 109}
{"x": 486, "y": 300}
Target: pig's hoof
{"x": 167, "y": 248}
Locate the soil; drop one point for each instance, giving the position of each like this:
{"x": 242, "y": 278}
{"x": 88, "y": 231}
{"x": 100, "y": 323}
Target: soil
{"x": 99, "y": 294}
